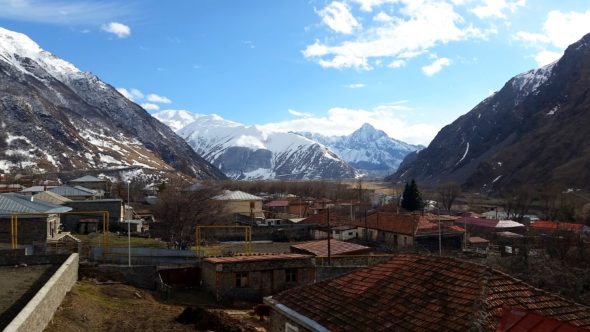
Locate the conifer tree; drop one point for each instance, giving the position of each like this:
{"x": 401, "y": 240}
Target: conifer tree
{"x": 411, "y": 198}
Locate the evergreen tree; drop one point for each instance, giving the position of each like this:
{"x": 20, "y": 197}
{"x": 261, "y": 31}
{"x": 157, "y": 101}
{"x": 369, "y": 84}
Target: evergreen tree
{"x": 411, "y": 198}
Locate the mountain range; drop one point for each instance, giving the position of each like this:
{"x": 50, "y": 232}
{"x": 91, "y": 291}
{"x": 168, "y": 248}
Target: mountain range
{"x": 533, "y": 132}
{"x": 367, "y": 149}
{"x": 55, "y": 117}
{"x": 248, "y": 152}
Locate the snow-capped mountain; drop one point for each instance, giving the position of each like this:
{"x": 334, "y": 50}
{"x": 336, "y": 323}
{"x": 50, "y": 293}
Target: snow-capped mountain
{"x": 247, "y": 152}
{"x": 533, "y": 133}
{"x": 367, "y": 149}
{"x": 55, "y": 117}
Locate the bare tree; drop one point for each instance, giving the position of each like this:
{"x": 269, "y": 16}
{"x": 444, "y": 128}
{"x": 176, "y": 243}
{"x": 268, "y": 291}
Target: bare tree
{"x": 181, "y": 210}
{"x": 448, "y": 193}
{"x": 518, "y": 202}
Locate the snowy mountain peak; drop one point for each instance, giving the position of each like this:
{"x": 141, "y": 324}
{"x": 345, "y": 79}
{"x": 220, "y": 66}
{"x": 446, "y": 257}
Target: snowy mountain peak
{"x": 527, "y": 83}
{"x": 19, "y": 50}
{"x": 367, "y": 132}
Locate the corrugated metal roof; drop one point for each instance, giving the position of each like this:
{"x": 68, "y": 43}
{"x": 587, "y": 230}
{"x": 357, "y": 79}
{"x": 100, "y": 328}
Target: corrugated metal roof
{"x": 229, "y": 195}
{"x": 88, "y": 178}
{"x": 14, "y": 203}
{"x": 77, "y": 191}
{"x": 51, "y": 197}
{"x": 37, "y": 189}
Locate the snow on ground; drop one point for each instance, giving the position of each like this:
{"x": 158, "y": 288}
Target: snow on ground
{"x": 464, "y": 155}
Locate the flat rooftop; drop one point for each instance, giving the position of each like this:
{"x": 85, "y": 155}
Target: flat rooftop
{"x": 19, "y": 285}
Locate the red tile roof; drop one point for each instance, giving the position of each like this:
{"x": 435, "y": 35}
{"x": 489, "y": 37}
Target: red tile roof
{"x": 552, "y": 226}
{"x": 255, "y": 258}
{"x": 320, "y": 248}
{"x": 520, "y": 320}
{"x": 423, "y": 293}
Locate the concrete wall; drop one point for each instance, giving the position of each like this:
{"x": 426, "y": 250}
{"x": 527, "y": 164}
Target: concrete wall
{"x": 39, "y": 311}
{"x": 278, "y": 323}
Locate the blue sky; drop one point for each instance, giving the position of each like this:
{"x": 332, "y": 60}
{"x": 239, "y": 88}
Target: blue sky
{"x": 408, "y": 67}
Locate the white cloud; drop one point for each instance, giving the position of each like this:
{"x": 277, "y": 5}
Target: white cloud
{"x": 546, "y": 57}
{"x": 119, "y": 29}
{"x": 496, "y": 8}
{"x": 63, "y": 12}
{"x": 559, "y": 30}
{"x": 418, "y": 27}
{"x": 382, "y": 17}
{"x": 300, "y": 114}
{"x": 355, "y": 86}
{"x": 396, "y": 64}
{"x": 337, "y": 16}
{"x": 131, "y": 94}
{"x": 343, "y": 121}
{"x": 436, "y": 66}
{"x": 154, "y": 98}
{"x": 367, "y": 5}
{"x": 150, "y": 107}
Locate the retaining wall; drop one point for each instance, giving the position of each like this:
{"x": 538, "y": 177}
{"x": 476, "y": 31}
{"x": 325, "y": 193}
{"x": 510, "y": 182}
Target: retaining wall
{"x": 39, "y": 311}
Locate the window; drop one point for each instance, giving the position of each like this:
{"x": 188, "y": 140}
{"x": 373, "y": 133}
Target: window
{"x": 241, "y": 279}
{"x": 291, "y": 275}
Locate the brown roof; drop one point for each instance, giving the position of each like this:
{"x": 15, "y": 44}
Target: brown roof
{"x": 322, "y": 219}
{"x": 390, "y": 222}
{"x": 255, "y": 258}
{"x": 320, "y": 248}
{"x": 423, "y": 293}
{"x": 409, "y": 224}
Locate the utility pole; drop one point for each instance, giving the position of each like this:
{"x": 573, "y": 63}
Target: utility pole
{"x": 329, "y": 236}
{"x": 439, "y": 233}
{"x": 128, "y": 223}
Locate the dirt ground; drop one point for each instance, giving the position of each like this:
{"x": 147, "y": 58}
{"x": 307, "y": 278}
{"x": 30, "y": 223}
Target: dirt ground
{"x": 118, "y": 307}
{"x": 16, "y": 281}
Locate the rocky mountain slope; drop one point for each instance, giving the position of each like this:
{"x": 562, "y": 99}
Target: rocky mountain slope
{"x": 534, "y": 132}
{"x": 55, "y": 117}
{"x": 247, "y": 152}
{"x": 367, "y": 149}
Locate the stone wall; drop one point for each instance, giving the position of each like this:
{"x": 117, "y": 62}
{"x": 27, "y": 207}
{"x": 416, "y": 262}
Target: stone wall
{"x": 39, "y": 311}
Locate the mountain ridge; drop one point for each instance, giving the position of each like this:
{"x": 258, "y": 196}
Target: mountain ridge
{"x": 56, "y": 117}
{"x": 533, "y": 132}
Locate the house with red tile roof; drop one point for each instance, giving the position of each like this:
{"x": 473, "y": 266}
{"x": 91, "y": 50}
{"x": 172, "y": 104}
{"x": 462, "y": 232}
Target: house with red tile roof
{"x": 252, "y": 277}
{"x": 408, "y": 231}
{"x": 414, "y": 292}
{"x": 320, "y": 248}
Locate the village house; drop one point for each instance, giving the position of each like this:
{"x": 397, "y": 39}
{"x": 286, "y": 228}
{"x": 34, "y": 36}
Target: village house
{"x": 400, "y": 231}
{"x": 417, "y": 293}
{"x": 489, "y": 227}
{"x": 37, "y": 221}
{"x": 85, "y": 223}
{"x": 76, "y": 193}
{"x": 320, "y": 248}
{"x": 240, "y": 203}
{"x": 254, "y": 276}
{"x": 100, "y": 186}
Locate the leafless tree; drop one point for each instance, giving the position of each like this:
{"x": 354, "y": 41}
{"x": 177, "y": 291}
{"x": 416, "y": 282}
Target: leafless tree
{"x": 181, "y": 210}
{"x": 448, "y": 193}
{"x": 518, "y": 202}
